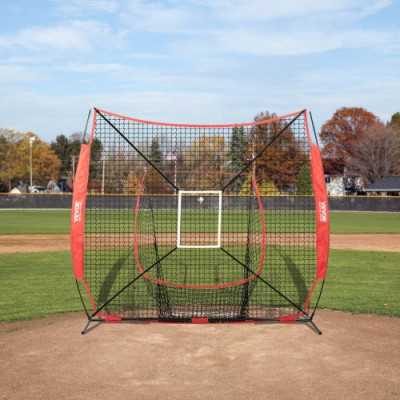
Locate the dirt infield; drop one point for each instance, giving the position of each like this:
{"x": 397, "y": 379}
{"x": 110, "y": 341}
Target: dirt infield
{"x": 40, "y": 243}
{"x": 357, "y": 357}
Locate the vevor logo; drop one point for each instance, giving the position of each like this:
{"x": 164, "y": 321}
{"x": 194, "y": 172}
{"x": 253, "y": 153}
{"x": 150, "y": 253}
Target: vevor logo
{"x": 322, "y": 211}
{"x": 77, "y": 211}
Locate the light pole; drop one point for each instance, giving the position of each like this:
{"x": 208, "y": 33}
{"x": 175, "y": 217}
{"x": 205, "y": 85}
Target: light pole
{"x": 73, "y": 169}
{"x": 31, "y": 140}
{"x": 172, "y": 157}
{"x": 103, "y": 174}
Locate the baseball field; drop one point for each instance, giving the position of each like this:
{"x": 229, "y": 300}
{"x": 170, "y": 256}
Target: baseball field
{"x": 44, "y": 356}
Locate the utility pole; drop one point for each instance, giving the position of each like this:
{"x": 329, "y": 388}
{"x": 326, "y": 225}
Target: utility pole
{"x": 254, "y": 163}
{"x": 103, "y": 175}
{"x": 73, "y": 169}
{"x": 31, "y": 140}
{"x": 172, "y": 157}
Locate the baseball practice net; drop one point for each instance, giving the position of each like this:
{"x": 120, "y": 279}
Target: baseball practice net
{"x": 200, "y": 223}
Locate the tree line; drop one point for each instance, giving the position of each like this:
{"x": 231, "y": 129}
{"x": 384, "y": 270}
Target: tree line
{"x": 284, "y": 168}
{"x": 50, "y": 161}
{"x": 358, "y": 145}
{"x": 355, "y": 143}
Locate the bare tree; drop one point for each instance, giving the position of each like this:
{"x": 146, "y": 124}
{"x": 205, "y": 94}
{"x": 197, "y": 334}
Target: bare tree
{"x": 376, "y": 154}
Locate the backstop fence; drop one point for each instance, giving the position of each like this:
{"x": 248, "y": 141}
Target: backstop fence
{"x": 336, "y": 203}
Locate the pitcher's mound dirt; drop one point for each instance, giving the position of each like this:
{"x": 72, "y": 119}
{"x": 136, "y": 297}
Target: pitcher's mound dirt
{"x": 357, "y": 357}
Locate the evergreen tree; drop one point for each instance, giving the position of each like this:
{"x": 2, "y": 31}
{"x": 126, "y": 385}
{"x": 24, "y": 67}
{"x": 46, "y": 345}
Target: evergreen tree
{"x": 237, "y": 148}
{"x": 156, "y": 155}
{"x": 61, "y": 147}
{"x": 65, "y": 148}
{"x": 304, "y": 181}
{"x": 237, "y": 153}
{"x": 395, "y": 121}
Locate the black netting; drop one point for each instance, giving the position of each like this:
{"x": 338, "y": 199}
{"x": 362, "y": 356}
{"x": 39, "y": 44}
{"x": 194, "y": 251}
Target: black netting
{"x": 200, "y": 221}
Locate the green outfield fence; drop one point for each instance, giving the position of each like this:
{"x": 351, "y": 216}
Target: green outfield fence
{"x": 64, "y": 201}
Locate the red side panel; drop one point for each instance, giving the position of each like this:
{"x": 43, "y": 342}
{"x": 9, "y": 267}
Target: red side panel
{"x": 321, "y": 205}
{"x": 78, "y": 211}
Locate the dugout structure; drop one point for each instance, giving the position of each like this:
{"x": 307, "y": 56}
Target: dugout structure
{"x": 200, "y": 223}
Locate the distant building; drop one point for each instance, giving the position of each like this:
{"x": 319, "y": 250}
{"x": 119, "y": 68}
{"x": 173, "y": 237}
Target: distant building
{"x": 335, "y": 185}
{"x": 388, "y": 185}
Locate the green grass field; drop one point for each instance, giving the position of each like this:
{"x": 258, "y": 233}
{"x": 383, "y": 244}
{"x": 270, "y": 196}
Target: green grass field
{"x": 38, "y": 284}
{"x": 57, "y": 221}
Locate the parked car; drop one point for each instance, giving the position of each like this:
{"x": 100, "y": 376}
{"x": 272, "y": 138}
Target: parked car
{"x": 36, "y": 189}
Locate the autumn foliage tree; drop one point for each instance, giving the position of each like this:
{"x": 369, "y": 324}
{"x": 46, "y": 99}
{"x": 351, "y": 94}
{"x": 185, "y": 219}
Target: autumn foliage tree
{"x": 8, "y": 162}
{"x": 132, "y": 183}
{"x": 15, "y": 159}
{"x": 246, "y": 189}
{"x": 281, "y": 162}
{"x": 339, "y": 134}
{"x": 46, "y": 164}
{"x": 206, "y": 153}
{"x": 376, "y": 154}
{"x": 268, "y": 189}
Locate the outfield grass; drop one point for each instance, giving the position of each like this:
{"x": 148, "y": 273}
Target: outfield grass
{"x": 363, "y": 282}
{"x": 36, "y": 284}
{"x": 34, "y": 221}
{"x": 57, "y": 221}
{"x": 39, "y": 284}
{"x": 364, "y": 222}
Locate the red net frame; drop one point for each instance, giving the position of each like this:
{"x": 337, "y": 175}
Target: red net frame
{"x": 152, "y": 253}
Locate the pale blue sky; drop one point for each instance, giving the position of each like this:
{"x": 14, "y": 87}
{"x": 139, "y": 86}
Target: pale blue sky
{"x": 210, "y": 61}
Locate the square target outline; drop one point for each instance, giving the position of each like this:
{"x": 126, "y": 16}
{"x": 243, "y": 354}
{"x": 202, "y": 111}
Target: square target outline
{"x": 215, "y": 246}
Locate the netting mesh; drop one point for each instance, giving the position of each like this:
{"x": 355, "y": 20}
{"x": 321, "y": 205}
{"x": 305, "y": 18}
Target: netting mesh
{"x": 212, "y": 222}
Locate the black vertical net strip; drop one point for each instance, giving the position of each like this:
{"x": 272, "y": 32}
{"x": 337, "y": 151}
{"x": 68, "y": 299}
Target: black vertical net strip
{"x": 244, "y": 237}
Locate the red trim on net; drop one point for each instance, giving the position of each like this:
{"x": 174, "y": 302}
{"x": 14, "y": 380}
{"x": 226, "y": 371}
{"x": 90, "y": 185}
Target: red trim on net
{"x": 93, "y": 126}
{"x": 144, "y": 321}
{"x": 111, "y": 318}
{"x": 200, "y": 286}
{"x": 89, "y": 294}
{"x": 307, "y": 131}
{"x": 310, "y": 294}
{"x": 253, "y": 179}
{"x": 285, "y": 319}
{"x": 206, "y": 320}
{"x": 199, "y": 321}
{"x": 142, "y": 121}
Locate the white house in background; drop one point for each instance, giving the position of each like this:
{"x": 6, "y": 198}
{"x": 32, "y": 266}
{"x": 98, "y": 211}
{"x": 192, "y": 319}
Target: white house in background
{"x": 342, "y": 185}
{"x": 335, "y": 186}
